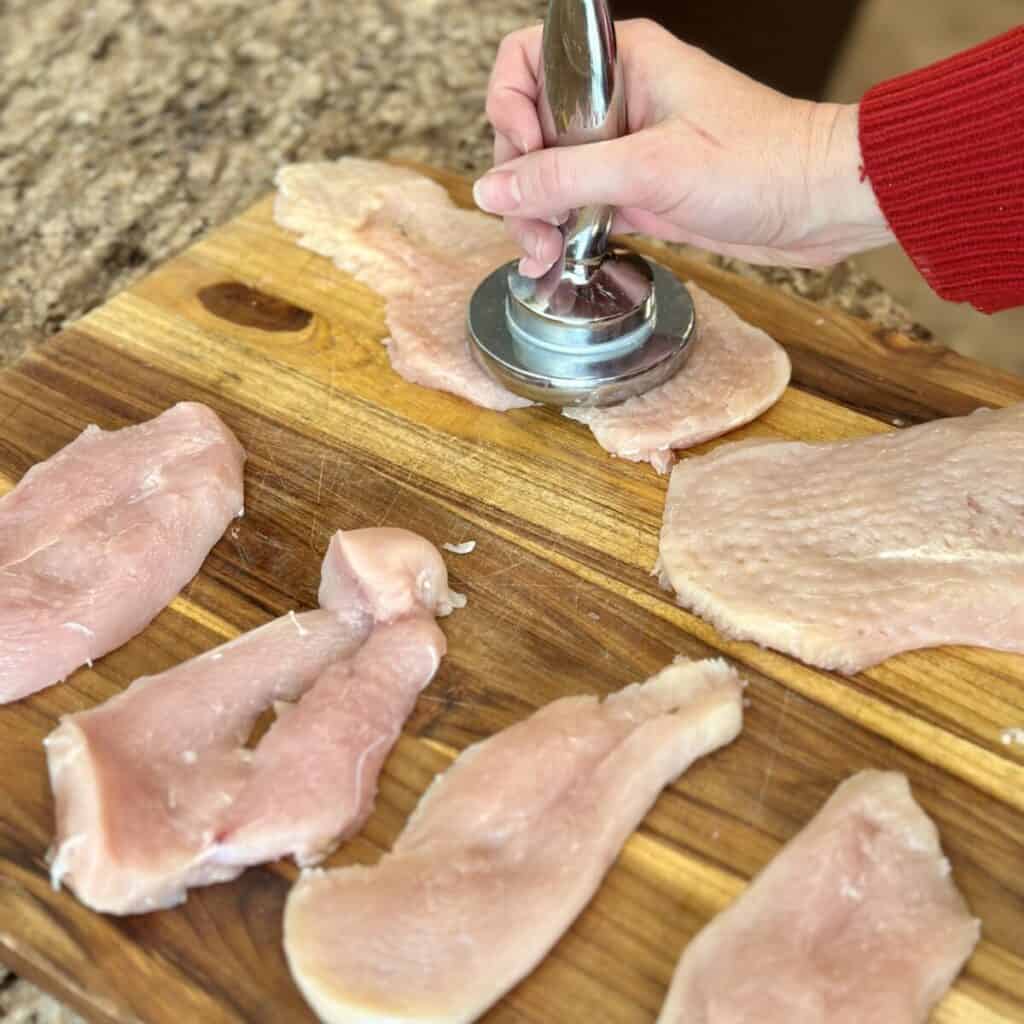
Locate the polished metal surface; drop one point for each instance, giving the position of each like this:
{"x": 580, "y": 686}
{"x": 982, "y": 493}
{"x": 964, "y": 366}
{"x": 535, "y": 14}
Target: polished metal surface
{"x": 581, "y": 101}
{"x": 554, "y": 309}
{"x": 620, "y": 288}
{"x": 601, "y": 326}
{"x": 603, "y": 374}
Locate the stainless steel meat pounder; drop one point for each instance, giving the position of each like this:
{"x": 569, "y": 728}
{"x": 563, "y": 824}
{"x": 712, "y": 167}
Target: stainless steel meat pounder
{"x": 603, "y": 324}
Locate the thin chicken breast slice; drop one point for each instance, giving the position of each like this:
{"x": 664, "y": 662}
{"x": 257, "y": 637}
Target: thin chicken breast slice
{"x": 844, "y": 554}
{"x": 402, "y": 235}
{"x": 524, "y": 824}
{"x": 733, "y": 374}
{"x": 427, "y": 344}
{"x": 856, "y": 920}
{"x": 98, "y": 539}
{"x": 300, "y": 798}
{"x": 156, "y": 791}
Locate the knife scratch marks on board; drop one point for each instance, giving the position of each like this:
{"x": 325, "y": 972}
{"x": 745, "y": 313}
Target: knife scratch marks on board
{"x": 273, "y": 461}
{"x": 459, "y": 460}
{"x": 314, "y": 525}
{"x": 320, "y": 482}
{"x": 769, "y": 769}
{"x": 269, "y": 540}
{"x": 240, "y": 548}
{"x": 10, "y": 415}
{"x": 509, "y": 568}
{"x": 405, "y": 482}
{"x": 332, "y": 486}
{"x": 642, "y": 540}
{"x": 391, "y": 504}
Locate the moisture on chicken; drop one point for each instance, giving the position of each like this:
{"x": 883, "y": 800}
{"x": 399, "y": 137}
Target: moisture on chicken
{"x": 844, "y": 554}
{"x": 857, "y": 920}
{"x": 99, "y": 538}
{"x": 503, "y": 852}
{"x": 156, "y": 790}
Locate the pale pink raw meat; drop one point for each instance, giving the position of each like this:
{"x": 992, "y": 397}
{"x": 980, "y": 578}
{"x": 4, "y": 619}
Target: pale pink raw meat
{"x": 733, "y": 374}
{"x": 502, "y": 853}
{"x": 155, "y": 789}
{"x": 297, "y": 799}
{"x": 420, "y": 347}
{"x": 99, "y": 538}
{"x": 856, "y": 921}
{"x": 844, "y": 554}
{"x": 401, "y": 234}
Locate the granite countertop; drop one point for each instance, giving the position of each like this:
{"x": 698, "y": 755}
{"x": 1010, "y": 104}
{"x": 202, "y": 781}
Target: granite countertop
{"x": 128, "y": 128}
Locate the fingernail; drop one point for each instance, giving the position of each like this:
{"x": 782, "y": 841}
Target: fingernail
{"x": 531, "y": 242}
{"x": 498, "y": 192}
{"x": 529, "y": 267}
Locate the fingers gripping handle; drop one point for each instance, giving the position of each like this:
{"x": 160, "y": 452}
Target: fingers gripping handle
{"x": 582, "y": 101}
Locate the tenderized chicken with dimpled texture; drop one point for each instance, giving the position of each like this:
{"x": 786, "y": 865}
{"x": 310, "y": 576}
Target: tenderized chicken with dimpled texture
{"x": 856, "y": 921}
{"x": 402, "y": 235}
{"x": 99, "y": 538}
{"x": 156, "y": 791}
{"x": 733, "y": 374}
{"x": 844, "y": 554}
{"x": 502, "y": 853}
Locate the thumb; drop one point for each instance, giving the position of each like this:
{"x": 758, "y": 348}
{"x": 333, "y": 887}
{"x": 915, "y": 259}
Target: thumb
{"x": 548, "y": 182}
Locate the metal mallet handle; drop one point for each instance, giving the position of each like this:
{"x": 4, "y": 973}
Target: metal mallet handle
{"x": 602, "y": 325}
{"x": 582, "y": 101}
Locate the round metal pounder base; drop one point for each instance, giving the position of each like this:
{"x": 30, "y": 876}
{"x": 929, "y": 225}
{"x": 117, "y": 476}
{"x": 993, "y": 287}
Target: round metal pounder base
{"x": 581, "y": 371}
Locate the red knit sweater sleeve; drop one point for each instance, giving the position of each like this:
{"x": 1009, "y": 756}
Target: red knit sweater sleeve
{"x": 943, "y": 148}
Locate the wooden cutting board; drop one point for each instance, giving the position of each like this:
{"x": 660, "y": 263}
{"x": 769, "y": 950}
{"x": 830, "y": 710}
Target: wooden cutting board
{"x": 561, "y": 601}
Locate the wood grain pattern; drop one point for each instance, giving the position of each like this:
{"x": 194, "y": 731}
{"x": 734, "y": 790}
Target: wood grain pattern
{"x": 561, "y": 600}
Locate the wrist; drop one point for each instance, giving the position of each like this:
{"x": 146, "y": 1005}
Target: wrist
{"x": 845, "y": 208}
{"x": 841, "y": 214}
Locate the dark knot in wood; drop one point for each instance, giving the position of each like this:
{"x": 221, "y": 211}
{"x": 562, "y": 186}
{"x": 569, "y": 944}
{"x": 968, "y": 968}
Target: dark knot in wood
{"x": 248, "y": 307}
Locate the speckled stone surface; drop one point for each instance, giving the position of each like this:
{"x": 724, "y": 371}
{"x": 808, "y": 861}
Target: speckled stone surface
{"x": 128, "y": 128}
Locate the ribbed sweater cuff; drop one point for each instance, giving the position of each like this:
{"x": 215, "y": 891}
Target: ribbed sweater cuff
{"x": 943, "y": 148}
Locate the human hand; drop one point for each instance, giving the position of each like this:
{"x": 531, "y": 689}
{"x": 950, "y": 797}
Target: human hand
{"x": 713, "y": 158}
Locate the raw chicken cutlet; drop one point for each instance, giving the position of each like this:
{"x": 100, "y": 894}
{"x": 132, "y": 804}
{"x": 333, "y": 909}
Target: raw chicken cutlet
{"x": 857, "y": 920}
{"x": 844, "y": 554}
{"x": 503, "y": 852}
{"x": 734, "y": 373}
{"x": 99, "y": 538}
{"x": 402, "y": 235}
{"x": 156, "y": 791}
